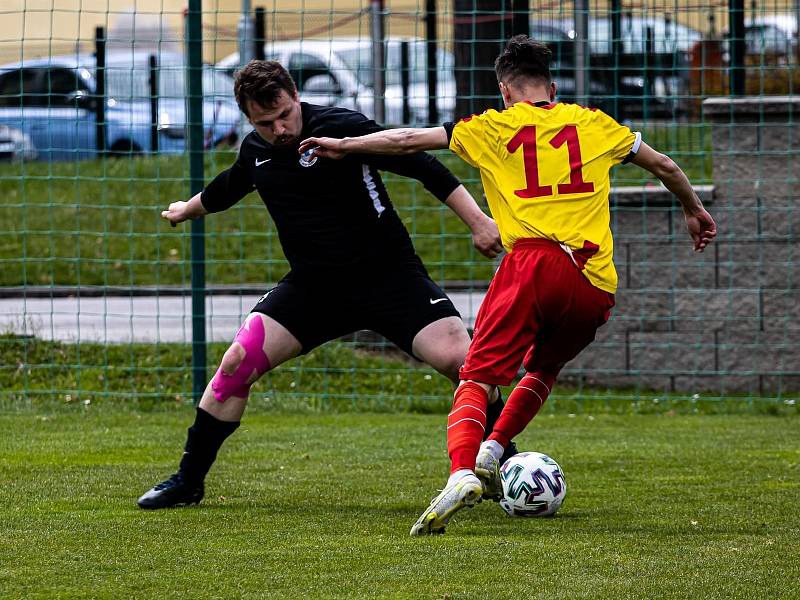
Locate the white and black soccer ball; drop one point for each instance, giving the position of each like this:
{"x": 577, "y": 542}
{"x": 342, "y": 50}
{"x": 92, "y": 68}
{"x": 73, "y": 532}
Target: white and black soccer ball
{"x": 533, "y": 485}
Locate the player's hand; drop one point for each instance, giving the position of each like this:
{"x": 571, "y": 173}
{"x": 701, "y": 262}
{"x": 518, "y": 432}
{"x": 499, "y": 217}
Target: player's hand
{"x": 176, "y": 213}
{"x": 324, "y": 147}
{"x": 486, "y": 238}
{"x": 701, "y": 227}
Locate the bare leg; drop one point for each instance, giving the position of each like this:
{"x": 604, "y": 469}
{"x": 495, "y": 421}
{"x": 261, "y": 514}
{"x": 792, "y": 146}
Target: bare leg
{"x": 443, "y": 345}
{"x": 279, "y": 346}
{"x": 260, "y": 345}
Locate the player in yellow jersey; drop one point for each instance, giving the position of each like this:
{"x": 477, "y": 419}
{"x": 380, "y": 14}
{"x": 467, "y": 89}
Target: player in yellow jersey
{"x": 545, "y": 169}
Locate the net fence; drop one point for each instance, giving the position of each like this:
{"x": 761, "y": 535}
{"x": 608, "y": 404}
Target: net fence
{"x": 98, "y": 292}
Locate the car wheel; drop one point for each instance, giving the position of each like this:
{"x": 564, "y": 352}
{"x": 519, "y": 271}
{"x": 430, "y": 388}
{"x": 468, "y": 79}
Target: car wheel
{"x": 124, "y": 149}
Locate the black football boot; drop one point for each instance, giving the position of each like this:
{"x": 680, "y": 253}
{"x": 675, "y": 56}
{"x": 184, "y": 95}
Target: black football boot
{"x": 175, "y": 491}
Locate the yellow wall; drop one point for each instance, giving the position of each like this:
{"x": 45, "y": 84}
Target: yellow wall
{"x": 33, "y": 28}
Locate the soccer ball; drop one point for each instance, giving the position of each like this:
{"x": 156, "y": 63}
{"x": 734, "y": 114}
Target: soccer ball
{"x": 533, "y": 485}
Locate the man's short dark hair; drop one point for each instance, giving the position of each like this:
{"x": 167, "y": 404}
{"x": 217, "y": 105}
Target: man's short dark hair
{"x": 523, "y": 57}
{"x": 261, "y": 81}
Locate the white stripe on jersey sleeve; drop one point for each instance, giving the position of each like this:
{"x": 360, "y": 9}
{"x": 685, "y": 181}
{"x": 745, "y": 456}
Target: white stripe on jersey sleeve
{"x": 369, "y": 182}
{"x": 637, "y": 142}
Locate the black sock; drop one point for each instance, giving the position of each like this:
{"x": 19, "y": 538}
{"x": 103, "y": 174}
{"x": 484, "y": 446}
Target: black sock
{"x": 509, "y": 451}
{"x": 493, "y": 410}
{"x": 203, "y": 441}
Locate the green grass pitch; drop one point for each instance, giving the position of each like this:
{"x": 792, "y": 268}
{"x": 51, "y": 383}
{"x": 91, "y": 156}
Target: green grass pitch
{"x": 319, "y": 506}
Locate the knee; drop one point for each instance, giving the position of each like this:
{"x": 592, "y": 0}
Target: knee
{"x": 450, "y": 365}
{"x": 454, "y": 353}
{"x": 451, "y": 358}
{"x": 243, "y": 363}
{"x": 232, "y": 358}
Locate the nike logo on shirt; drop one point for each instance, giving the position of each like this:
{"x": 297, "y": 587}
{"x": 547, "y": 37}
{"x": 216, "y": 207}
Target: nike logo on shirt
{"x": 261, "y": 162}
{"x": 437, "y": 300}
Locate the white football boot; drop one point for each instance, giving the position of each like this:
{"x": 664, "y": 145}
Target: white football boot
{"x": 487, "y": 468}
{"x": 465, "y": 492}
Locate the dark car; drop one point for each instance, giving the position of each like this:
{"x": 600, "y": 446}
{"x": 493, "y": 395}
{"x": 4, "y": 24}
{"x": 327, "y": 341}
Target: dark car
{"x": 646, "y": 82}
{"x": 764, "y": 42}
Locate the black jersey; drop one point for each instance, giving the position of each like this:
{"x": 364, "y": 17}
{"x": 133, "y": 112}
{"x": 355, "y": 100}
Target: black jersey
{"x": 334, "y": 218}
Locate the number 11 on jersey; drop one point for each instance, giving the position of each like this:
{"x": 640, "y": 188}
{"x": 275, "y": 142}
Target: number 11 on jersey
{"x": 526, "y": 137}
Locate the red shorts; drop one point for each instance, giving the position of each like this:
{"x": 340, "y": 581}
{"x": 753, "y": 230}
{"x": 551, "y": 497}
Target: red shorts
{"x": 540, "y": 311}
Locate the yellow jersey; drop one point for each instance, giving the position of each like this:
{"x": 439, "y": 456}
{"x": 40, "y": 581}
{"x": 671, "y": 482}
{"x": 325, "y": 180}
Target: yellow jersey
{"x": 545, "y": 170}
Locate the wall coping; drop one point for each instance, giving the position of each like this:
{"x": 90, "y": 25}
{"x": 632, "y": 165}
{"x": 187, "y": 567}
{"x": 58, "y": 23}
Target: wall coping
{"x": 751, "y": 108}
{"x": 655, "y": 195}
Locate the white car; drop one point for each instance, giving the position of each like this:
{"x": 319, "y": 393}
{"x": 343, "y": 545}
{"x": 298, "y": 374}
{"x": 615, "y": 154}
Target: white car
{"x": 786, "y": 22}
{"x": 339, "y": 72}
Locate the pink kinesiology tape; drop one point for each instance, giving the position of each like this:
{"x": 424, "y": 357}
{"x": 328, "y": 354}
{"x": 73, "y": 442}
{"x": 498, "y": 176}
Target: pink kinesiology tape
{"x": 251, "y": 337}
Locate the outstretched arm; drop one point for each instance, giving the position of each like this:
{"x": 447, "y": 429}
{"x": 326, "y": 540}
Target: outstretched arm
{"x": 700, "y": 224}
{"x": 178, "y": 212}
{"x": 407, "y": 140}
{"x": 485, "y": 235}
{"x": 222, "y": 192}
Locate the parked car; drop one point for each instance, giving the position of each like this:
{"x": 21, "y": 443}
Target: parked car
{"x": 653, "y": 80}
{"x": 786, "y": 22}
{"x": 53, "y": 101}
{"x": 763, "y": 41}
{"x": 768, "y": 39}
{"x": 359, "y": 58}
{"x": 666, "y": 35}
{"x": 338, "y": 72}
{"x": 15, "y": 145}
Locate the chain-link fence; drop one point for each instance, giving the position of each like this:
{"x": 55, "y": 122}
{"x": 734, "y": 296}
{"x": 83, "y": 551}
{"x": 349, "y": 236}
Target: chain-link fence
{"x": 101, "y": 300}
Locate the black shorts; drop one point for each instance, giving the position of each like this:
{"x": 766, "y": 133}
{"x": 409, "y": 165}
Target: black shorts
{"x": 397, "y": 306}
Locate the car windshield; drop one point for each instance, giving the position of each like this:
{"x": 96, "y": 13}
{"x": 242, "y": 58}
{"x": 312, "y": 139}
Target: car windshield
{"x": 667, "y": 36}
{"x": 359, "y": 60}
{"x": 130, "y": 83}
{"x": 767, "y": 39}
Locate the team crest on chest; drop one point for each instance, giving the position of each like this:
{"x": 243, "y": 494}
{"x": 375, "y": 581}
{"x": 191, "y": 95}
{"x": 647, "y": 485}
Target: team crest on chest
{"x": 307, "y": 158}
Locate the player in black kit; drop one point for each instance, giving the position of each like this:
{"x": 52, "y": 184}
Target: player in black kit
{"x": 352, "y": 262}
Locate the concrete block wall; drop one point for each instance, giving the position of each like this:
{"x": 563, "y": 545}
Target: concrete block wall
{"x": 726, "y": 320}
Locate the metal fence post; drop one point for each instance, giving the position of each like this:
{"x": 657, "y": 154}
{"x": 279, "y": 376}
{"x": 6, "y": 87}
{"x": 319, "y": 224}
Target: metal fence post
{"x": 378, "y": 61}
{"x": 154, "y": 120}
{"x": 405, "y": 83}
{"x": 100, "y": 88}
{"x": 245, "y": 35}
{"x": 581, "y": 16}
{"x": 260, "y": 33}
{"x": 430, "y": 47}
{"x": 647, "y": 88}
{"x": 796, "y": 36}
{"x": 520, "y": 17}
{"x": 616, "y": 53}
{"x": 194, "y": 55}
{"x": 737, "y": 42}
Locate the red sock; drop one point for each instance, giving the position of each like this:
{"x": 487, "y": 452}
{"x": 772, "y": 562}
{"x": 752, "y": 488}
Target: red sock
{"x": 522, "y": 405}
{"x": 465, "y": 426}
